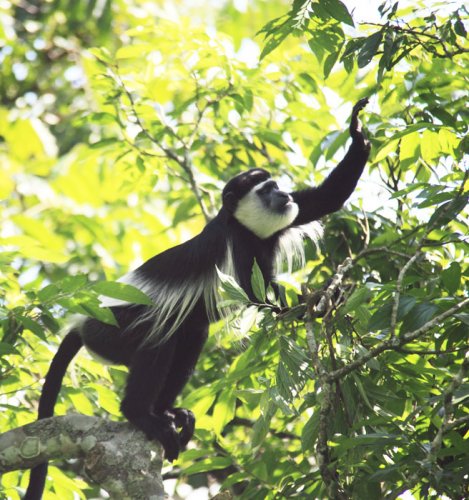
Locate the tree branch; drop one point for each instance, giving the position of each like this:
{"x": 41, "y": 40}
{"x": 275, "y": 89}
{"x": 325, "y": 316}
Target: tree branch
{"x": 327, "y": 469}
{"x": 396, "y": 342}
{"x": 184, "y": 161}
{"x": 117, "y": 456}
{"x": 430, "y": 461}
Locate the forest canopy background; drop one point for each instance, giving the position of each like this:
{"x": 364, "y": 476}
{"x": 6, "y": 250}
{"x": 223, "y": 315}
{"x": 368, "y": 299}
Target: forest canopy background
{"x": 120, "y": 122}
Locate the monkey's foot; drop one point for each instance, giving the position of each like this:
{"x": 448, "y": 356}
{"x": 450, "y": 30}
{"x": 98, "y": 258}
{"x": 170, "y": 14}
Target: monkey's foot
{"x": 183, "y": 419}
{"x": 162, "y": 428}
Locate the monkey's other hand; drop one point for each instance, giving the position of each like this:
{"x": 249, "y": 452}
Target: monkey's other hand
{"x": 184, "y": 419}
{"x": 162, "y": 428}
{"x": 356, "y": 131}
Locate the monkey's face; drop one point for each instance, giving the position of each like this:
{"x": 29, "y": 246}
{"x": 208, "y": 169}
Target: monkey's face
{"x": 265, "y": 209}
{"x": 273, "y": 198}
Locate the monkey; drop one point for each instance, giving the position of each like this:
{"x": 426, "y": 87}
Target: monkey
{"x": 160, "y": 344}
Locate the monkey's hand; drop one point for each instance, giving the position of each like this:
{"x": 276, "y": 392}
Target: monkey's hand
{"x": 356, "y": 131}
{"x": 183, "y": 419}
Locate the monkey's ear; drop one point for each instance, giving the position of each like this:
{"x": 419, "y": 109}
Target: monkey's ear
{"x": 229, "y": 201}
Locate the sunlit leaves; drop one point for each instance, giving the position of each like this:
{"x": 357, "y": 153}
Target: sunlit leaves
{"x": 451, "y": 277}
{"x": 257, "y": 282}
{"x": 337, "y": 10}
{"x": 109, "y": 196}
{"x": 231, "y": 288}
{"x": 122, "y": 291}
{"x": 224, "y": 409}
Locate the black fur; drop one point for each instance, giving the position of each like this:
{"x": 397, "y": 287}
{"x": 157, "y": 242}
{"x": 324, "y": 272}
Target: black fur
{"x": 160, "y": 367}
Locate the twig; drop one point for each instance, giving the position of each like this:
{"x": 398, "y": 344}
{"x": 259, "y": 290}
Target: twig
{"x": 326, "y": 296}
{"x": 430, "y": 460}
{"x": 434, "y": 40}
{"x": 185, "y": 162}
{"x": 397, "y": 294}
{"x": 327, "y": 469}
{"x": 396, "y": 342}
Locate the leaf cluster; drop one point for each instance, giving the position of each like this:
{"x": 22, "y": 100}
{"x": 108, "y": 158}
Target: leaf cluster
{"x": 350, "y": 380}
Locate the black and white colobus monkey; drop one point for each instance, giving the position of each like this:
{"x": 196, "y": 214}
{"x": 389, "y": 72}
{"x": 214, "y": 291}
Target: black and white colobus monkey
{"x": 160, "y": 344}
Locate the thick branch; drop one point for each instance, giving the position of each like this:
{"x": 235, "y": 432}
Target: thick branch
{"x": 116, "y": 455}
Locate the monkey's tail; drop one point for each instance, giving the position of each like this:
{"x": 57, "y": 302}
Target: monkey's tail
{"x": 69, "y": 347}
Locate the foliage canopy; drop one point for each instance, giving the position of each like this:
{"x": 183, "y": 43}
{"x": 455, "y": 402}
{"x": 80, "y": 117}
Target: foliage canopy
{"x": 120, "y": 121}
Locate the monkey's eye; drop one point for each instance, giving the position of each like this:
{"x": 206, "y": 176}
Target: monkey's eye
{"x": 267, "y": 188}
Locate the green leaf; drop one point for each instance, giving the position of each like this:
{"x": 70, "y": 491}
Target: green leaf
{"x": 418, "y": 316}
{"x": 103, "y": 143}
{"x": 447, "y": 212}
{"x": 309, "y": 433}
{"x": 338, "y": 11}
{"x": 235, "y": 478}
{"x": 96, "y": 311}
{"x": 48, "y": 293}
{"x": 285, "y": 383}
{"x": 248, "y": 319}
{"x": 33, "y": 326}
{"x": 406, "y": 303}
{"x": 435, "y": 199}
{"x": 459, "y": 28}
{"x": 85, "y": 302}
{"x": 358, "y": 297}
{"x": 71, "y": 284}
{"x": 369, "y": 49}
{"x": 6, "y": 348}
{"x": 373, "y": 440}
{"x": 209, "y": 464}
{"x": 257, "y": 282}
{"x": 451, "y": 277}
{"x": 103, "y": 55}
{"x": 231, "y": 288}
{"x": 107, "y": 399}
{"x": 81, "y": 403}
{"x": 331, "y": 59}
{"x": 224, "y": 410}
{"x": 260, "y": 430}
{"x": 122, "y": 291}
{"x": 381, "y": 318}
{"x": 385, "y": 63}
{"x": 248, "y": 99}
{"x": 50, "y": 322}
{"x": 273, "y": 42}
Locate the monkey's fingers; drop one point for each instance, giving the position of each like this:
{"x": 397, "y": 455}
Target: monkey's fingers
{"x": 186, "y": 421}
{"x": 162, "y": 428}
{"x": 360, "y": 105}
{"x": 355, "y": 124}
{"x": 168, "y": 436}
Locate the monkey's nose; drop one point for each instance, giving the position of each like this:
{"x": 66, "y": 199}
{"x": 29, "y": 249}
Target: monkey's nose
{"x": 286, "y": 198}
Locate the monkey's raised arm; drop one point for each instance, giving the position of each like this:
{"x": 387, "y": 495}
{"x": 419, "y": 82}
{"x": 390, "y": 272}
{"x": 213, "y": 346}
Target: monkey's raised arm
{"x": 315, "y": 202}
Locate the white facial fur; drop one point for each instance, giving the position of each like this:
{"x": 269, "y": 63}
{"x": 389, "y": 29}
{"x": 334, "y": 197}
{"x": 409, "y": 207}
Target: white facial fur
{"x": 254, "y": 215}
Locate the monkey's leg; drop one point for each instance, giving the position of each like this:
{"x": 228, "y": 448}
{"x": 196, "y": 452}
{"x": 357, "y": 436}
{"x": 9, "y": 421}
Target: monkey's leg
{"x": 148, "y": 375}
{"x": 187, "y": 351}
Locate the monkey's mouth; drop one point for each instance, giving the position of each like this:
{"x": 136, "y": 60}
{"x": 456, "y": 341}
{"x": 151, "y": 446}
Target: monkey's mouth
{"x": 286, "y": 207}
{"x": 289, "y": 202}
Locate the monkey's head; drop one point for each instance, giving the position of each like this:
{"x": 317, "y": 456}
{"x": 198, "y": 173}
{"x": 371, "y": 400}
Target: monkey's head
{"x": 256, "y": 202}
